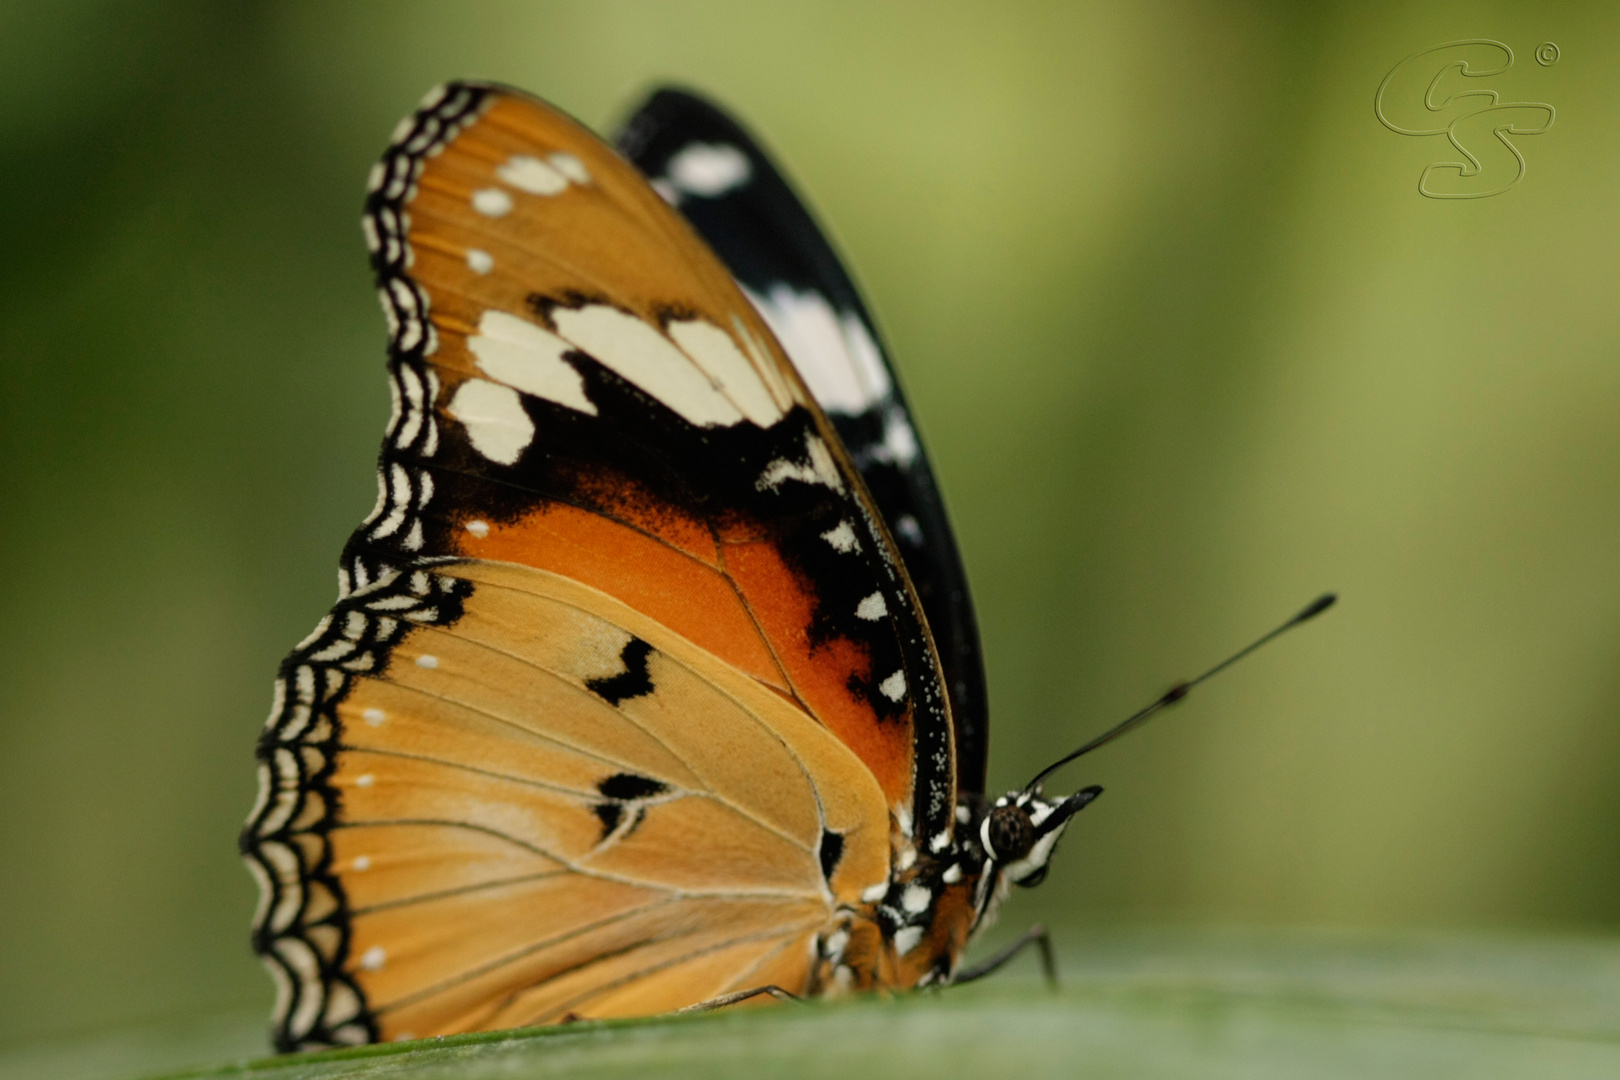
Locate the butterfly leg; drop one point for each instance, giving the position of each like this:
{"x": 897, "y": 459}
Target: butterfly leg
{"x": 737, "y": 996}
{"x": 1035, "y": 935}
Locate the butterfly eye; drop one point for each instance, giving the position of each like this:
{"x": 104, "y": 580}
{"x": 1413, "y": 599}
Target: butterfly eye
{"x": 1010, "y": 832}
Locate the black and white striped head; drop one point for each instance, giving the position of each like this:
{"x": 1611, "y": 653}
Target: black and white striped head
{"x": 1021, "y": 830}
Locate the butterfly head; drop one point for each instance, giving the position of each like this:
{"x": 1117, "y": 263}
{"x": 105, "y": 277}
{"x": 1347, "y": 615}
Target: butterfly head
{"x": 1021, "y": 831}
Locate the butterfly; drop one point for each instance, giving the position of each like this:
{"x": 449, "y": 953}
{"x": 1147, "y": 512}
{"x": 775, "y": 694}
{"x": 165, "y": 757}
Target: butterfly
{"x": 653, "y": 681}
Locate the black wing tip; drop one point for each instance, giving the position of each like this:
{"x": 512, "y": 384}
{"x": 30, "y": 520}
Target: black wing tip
{"x": 669, "y": 104}
{"x": 672, "y": 97}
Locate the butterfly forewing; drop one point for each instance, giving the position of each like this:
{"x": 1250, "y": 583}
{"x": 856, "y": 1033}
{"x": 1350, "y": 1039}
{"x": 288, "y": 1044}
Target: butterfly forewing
{"x": 626, "y": 687}
{"x": 625, "y": 417}
{"x": 720, "y": 178}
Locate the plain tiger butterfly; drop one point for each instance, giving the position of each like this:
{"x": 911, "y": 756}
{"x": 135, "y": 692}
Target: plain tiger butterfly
{"x": 653, "y": 681}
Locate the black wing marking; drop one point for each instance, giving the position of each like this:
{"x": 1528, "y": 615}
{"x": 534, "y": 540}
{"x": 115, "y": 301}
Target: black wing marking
{"x": 714, "y": 172}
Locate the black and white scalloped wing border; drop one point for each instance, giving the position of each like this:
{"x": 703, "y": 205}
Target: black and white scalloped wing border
{"x": 301, "y": 928}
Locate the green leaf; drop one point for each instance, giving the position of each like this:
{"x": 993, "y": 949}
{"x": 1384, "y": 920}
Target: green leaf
{"x": 1135, "y": 1004}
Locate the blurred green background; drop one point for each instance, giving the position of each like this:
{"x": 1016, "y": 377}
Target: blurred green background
{"x": 1185, "y": 342}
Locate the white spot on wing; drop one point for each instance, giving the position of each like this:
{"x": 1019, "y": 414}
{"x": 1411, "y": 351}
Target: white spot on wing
{"x": 427, "y": 660}
{"x": 364, "y": 780}
{"x": 708, "y": 169}
{"x": 478, "y": 527}
{"x": 532, "y": 175}
{"x": 894, "y": 687}
{"x": 529, "y": 358}
{"x": 872, "y": 608}
{"x": 492, "y": 202}
{"x": 639, "y": 353}
{"x": 915, "y": 899}
{"x": 837, "y": 358}
{"x": 765, "y": 364}
{"x": 907, "y": 938}
{"x": 374, "y": 717}
{"x": 729, "y": 371}
{"x": 864, "y": 355}
{"x": 842, "y": 538}
{"x": 570, "y": 166}
{"x": 899, "y": 441}
{"x": 875, "y": 893}
{"x": 481, "y": 262}
{"x": 817, "y": 468}
{"x": 362, "y": 862}
{"x": 375, "y": 957}
{"x": 909, "y": 530}
{"x": 493, "y": 415}
{"x": 952, "y": 874}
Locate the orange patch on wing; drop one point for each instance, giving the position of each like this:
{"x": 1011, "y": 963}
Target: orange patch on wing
{"x": 631, "y": 503}
{"x": 657, "y": 579}
{"x": 821, "y": 673}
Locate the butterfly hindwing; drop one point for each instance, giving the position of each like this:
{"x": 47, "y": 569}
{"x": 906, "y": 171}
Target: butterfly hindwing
{"x": 626, "y": 684}
{"x": 719, "y": 177}
{"x": 524, "y": 836}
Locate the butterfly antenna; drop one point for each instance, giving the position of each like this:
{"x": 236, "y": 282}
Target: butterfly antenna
{"x": 1182, "y": 689}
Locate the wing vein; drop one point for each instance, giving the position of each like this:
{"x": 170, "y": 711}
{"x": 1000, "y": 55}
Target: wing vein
{"x": 587, "y": 871}
{"x": 508, "y": 722}
{"x": 464, "y": 890}
{"x": 451, "y": 982}
{"x": 771, "y": 732}
{"x": 651, "y": 969}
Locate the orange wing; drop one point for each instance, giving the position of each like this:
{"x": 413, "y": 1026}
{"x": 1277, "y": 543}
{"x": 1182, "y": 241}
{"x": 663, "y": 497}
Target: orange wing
{"x": 605, "y": 403}
{"x": 626, "y": 695}
{"x": 514, "y": 847}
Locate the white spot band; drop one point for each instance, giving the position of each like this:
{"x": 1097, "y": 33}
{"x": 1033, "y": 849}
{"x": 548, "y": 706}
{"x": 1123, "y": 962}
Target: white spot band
{"x": 708, "y": 169}
{"x": 529, "y": 358}
{"x": 494, "y": 418}
{"x": 872, "y": 608}
{"x": 492, "y": 202}
{"x": 894, "y": 687}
